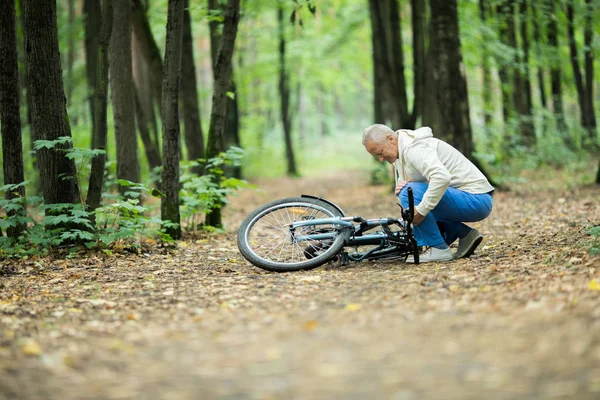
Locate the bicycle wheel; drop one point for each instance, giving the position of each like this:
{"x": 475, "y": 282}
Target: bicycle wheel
{"x": 266, "y": 241}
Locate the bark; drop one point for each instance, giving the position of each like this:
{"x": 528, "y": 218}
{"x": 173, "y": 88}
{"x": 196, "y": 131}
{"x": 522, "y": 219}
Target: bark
{"x": 12, "y": 141}
{"x": 222, "y": 77}
{"x": 588, "y": 38}
{"x": 194, "y": 139}
{"x": 148, "y": 49}
{"x": 449, "y": 76}
{"x": 598, "y": 175}
{"x": 231, "y": 134}
{"x": 93, "y": 21}
{"x": 527, "y": 127}
{"x": 169, "y": 206}
{"x": 503, "y": 10}
{"x": 122, "y": 89}
{"x": 388, "y": 63}
{"x": 486, "y": 71}
{"x": 537, "y": 39}
{"x": 556, "y": 77}
{"x": 47, "y": 99}
{"x": 284, "y": 93}
{"x": 579, "y": 84}
{"x": 419, "y": 15}
{"x": 70, "y": 49}
{"x": 150, "y": 148}
{"x": 96, "y": 182}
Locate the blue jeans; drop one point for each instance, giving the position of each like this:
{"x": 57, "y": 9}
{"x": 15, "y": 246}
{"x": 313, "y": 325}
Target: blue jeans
{"x": 444, "y": 224}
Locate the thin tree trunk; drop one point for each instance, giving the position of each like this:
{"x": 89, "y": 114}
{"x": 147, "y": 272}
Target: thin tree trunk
{"x": 169, "y": 206}
{"x": 598, "y": 175}
{"x": 96, "y": 182}
{"x": 487, "y": 74}
{"x": 419, "y": 14}
{"x": 70, "y": 50}
{"x": 122, "y": 90}
{"x": 150, "y": 148}
{"x": 556, "y": 77}
{"x": 194, "y": 138}
{"x": 47, "y": 98}
{"x": 284, "y": 93}
{"x": 93, "y": 12}
{"x": 588, "y": 35}
{"x": 581, "y": 92}
{"x": 12, "y": 142}
{"x": 527, "y": 127}
{"x": 222, "y": 77}
{"x": 149, "y": 49}
{"x": 537, "y": 39}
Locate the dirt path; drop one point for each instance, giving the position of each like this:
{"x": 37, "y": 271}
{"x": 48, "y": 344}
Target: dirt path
{"x": 519, "y": 320}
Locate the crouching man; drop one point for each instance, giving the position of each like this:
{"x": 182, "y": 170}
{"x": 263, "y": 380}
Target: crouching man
{"x": 448, "y": 189}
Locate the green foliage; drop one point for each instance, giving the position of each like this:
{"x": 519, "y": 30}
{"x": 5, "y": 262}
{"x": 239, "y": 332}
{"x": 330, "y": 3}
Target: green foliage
{"x": 594, "y": 231}
{"x": 200, "y": 194}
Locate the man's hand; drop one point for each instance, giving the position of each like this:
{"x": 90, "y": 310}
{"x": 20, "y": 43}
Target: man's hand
{"x": 417, "y": 219}
{"x": 400, "y": 186}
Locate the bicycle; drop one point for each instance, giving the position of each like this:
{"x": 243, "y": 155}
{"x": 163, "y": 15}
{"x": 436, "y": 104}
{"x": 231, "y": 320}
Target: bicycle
{"x": 301, "y": 233}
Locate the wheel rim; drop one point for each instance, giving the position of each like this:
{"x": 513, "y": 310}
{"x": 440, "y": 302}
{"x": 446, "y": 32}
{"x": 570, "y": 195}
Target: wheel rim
{"x": 269, "y": 238}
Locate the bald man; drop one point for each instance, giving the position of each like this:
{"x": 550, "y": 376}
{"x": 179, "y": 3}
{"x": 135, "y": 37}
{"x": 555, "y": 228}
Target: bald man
{"x": 448, "y": 189}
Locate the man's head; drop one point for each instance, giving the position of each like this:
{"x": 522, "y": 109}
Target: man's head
{"x": 381, "y": 142}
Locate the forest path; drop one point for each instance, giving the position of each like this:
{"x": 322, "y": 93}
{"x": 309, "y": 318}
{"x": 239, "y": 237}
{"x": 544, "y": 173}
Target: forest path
{"x": 518, "y": 320}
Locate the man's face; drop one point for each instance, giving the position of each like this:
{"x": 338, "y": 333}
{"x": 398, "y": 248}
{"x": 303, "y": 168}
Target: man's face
{"x": 387, "y": 150}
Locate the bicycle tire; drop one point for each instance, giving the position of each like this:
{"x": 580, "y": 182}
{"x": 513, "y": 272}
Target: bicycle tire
{"x": 249, "y": 251}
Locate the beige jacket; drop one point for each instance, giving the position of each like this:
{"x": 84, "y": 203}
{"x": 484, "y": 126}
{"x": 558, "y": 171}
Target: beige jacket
{"x": 423, "y": 158}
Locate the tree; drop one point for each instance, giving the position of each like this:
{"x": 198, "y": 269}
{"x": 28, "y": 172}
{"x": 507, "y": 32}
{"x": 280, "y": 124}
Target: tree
{"x": 523, "y": 80}
{"x": 222, "y": 76}
{"x": 556, "y": 75}
{"x": 486, "y": 70}
{"x": 93, "y": 20}
{"x": 47, "y": 99}
{"x": 194, "y": 139}
{"x": 12, "y": 144}
{"x": 390, "y": 100}
{"x": 284, "y": 93}
{"x": 122, "y": 89}
{"x": 584, "y": 84}
{"x": 231, "y": 134}
{"x": 169, "y": 206}
{"x": 419, "y": 27}
{"x": 450, "y": 79}
{"x": 99, "y": 105}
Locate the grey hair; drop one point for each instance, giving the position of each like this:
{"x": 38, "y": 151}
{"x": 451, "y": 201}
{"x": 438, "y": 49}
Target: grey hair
{"x": 376, "y": 133}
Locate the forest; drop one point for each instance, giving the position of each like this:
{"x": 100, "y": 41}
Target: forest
{"x": 137, "y": 135}
{"x": 184, "y": 101}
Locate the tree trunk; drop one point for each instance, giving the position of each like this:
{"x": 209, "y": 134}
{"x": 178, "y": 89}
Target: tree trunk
{"x": 581, "y": 90}
{"x": 537, "y": 39}
{"x": 149, "y": 49}
{"x": 284, "y": 93}
{"x": 598, "y": 175}
{"x": 96, "y": 183}
{"x": 388, "y": 62}
{"x": 12, "y": 141}
{"x": 588, "y": 35}
{"x": 150, "y": 148}
{"x": 231, "y": 134}
{"x": 419, "y": 15}
{"x": 49, "y": 112}
{"x": 70, "y": 50}
{"x": 486, "y": 72}
{"x": 527, "y": 127}
{"x": 222, "y": 76}
{"x": 169, "y": 206}
{"x": 450, "y": 80}
{"x": 556, "y": 77}
{"x": 194, "y": 139}
{"x": 122, "y": 90}
{"x": 93, "y": 13}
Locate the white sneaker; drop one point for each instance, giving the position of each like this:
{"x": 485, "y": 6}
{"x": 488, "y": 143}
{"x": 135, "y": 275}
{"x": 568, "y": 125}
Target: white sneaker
{"x": 432, "y": 255}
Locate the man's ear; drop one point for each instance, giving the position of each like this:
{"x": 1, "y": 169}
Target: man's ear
{"x": 389, "y": 138}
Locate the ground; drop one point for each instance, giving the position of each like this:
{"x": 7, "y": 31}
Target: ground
{"x": 518, "y": 320}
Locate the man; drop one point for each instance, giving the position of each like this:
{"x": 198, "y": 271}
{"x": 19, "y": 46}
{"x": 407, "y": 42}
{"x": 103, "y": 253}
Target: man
{"x": 448, "y": 189}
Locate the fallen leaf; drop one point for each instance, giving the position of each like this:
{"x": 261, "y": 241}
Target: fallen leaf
{"x": 594, "y": 285}
{"x": 310, "y": 326}
{"x": 31, "y": 349}
{"x": 353, "y": 307}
